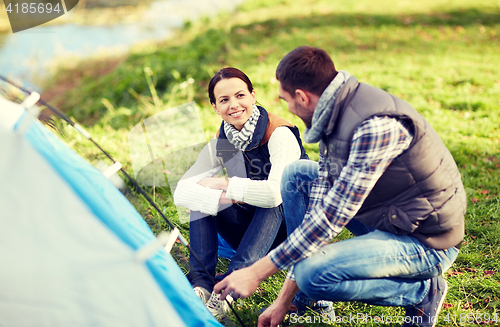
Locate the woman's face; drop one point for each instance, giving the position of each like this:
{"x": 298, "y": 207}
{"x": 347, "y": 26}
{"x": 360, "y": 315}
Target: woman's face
{"x": 233, "y": 101}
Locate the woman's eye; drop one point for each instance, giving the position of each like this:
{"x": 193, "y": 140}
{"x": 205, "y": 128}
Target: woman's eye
{"x": 223, "y": 100}
{"x": 240, "y": 95}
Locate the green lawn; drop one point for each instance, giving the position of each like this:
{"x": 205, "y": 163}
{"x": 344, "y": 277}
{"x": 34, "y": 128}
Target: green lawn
{"x": 440, "y": 56}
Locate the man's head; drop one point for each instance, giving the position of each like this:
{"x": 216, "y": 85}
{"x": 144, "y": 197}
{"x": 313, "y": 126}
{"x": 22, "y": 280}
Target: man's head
{"x": 306, "y": 68}
{"x": 304, "y": 73}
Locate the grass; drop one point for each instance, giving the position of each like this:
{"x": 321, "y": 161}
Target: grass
{"x": 439, "y": 56}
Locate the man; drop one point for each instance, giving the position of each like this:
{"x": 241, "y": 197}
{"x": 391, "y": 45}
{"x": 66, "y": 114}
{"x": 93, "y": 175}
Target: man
{"x": 385, "y": 174}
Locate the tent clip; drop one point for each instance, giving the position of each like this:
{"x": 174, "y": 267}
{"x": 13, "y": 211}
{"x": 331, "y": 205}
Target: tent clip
{"x": 171, "y": 239}
{"x": 33, "y": 111}
{"x": 82, "y": 131}
{"x": 164, "y": 239}
{"x": 113, "y": 169}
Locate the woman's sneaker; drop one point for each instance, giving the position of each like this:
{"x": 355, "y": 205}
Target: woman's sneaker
{"x": 217, "y": 307}
{"x": 202, "y": 293}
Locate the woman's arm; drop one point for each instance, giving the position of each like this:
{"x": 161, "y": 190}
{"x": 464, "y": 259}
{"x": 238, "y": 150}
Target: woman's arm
{"x": 283, "y": 149}
{"x": 190, "y": 194}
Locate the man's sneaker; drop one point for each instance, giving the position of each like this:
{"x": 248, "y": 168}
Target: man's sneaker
{"x": 425, "y": 314}
{"x": 218, "y": 307}
{"x": 202, "y": 293}
{"x": 325, "y": 309}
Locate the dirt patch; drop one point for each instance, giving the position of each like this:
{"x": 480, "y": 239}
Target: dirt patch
{"x": 71, "y": 79}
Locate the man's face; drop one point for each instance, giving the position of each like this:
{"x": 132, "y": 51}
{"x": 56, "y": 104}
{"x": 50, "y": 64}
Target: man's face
{"x": 295, "y": 107}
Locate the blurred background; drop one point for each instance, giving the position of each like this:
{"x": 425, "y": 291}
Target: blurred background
{"x": 94, "y": 28}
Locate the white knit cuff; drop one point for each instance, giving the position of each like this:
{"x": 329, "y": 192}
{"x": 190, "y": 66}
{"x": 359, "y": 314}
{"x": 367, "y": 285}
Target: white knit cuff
{"x": 237, "y": 188}
{"x": 211, "y": 202}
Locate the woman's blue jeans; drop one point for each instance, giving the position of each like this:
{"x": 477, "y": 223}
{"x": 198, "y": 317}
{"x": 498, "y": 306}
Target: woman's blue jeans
{"x": 374, "y": 267}
{"x": 251, "y": 231}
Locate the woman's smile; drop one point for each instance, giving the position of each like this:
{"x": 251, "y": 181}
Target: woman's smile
{"x": 237, "y": 114}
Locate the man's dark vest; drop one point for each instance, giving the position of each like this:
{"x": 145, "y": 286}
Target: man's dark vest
{"x": 421, "y": 193}
{"x": 256, "y": 159}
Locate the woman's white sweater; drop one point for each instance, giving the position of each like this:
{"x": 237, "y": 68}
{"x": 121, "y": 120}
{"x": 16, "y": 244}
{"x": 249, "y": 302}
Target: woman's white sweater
{"x": 283, "y": 149}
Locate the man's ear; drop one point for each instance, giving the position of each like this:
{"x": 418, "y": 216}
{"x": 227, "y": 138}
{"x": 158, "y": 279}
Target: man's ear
{"x": 303, "y": 97}
{"x": 306, "y": 98}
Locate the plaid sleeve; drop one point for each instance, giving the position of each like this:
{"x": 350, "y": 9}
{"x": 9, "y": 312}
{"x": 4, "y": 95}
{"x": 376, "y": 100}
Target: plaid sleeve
{"x": 320, "y": 186}
{"x": 375, "y": 143}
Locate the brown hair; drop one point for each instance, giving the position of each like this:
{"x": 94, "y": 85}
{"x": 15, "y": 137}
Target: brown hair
{"x": 307, "y": 68}
{"x": 226, "y": 73}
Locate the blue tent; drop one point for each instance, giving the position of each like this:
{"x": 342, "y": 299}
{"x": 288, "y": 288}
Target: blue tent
{"x": 69, "y": 240}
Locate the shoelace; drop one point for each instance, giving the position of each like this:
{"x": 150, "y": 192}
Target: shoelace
{"x": 215, "y": 302}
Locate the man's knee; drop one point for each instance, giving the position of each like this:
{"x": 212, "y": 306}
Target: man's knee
{"x": 305, "y": 274}
{"x": 288, "y": 179}
{"x": 297, "y": 175}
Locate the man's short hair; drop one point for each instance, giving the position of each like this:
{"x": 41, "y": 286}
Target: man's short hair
{"x": 306, "y": 68}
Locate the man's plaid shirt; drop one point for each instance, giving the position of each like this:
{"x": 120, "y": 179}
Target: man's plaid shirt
{"x": 375, "y": 143}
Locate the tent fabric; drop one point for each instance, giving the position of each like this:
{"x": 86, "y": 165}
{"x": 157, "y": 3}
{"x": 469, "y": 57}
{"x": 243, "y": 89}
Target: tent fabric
{"x": 106, "y": 207}
{"x": 224, "y": 250}
{"x": 60, "y": 265}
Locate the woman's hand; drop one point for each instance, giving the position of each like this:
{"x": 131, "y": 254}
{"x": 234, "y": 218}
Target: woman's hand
{"x": 217, "y": 183}
{"x": 224, "y": 200}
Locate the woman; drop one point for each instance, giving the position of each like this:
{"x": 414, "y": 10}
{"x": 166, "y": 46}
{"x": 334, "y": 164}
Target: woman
{"x": 254, "y": 147}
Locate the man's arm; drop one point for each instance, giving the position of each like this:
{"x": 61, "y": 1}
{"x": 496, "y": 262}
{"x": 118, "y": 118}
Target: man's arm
{"x": 376, "y": 142}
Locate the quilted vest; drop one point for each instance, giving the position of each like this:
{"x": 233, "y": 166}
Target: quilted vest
{"x": 421, "y": 193}
{"x": 254, "y": 163}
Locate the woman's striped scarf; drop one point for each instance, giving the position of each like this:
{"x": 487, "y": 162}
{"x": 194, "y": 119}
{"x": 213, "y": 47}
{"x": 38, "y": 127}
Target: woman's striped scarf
{"x": 241, "y": 139}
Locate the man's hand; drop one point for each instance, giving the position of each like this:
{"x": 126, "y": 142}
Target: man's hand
{"x": 242, "y": 283}
{"x": 239, "y": 284}
{"x": 217, "y": 183}
{"x": 275, "y": 313}
{"x": 273, "y": 316}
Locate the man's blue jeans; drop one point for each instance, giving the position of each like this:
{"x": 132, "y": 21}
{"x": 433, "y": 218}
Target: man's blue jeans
{"x": 251, "y": 231}
{"x": 375, "y": 267}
